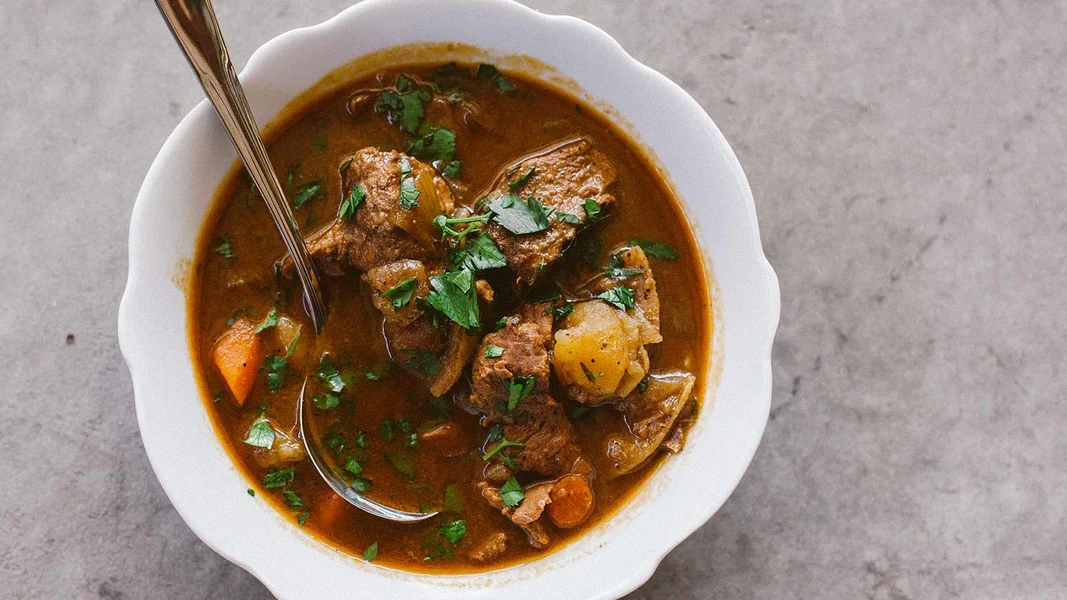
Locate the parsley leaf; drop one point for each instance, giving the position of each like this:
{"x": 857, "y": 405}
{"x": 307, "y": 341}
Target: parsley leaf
{"x": 454, "y": 531}
{"x": 335, "y": 441}
{"x": 401, "y": 294}
{"x": 328, "y": 374}
{"x": 277, "y": 368}
{"x": 453, "y": 502}
{"x": 294, "y": 500}
{"x": 361, "y": 485}
{"x": 302, "y": 518}
{"x": 492, "y": 351}
{"x": 409, "y": 194}
{"x": 352, "y": 466}
{"x": 511, "y": 493}
{"x": 520, "y": 216}
{"x": 454, "y": 295}
{"x": 225, "y": 249}
{"x": 348, "y": 207}
{"x": 308, "y": 193}
{"x": 522, "y": 179}
{"x": 519, "y": 388}
{"x": 326, "y": 400}
{"x": 616, "y": 271}
{"x": 504, "y": 443}
{"x": 491, "y": 73}
{"x": 655, "y": 249}
{"x": 438, "y": 143}
{"x": 371, "y": 552}
{"x": 386, "y": 431}
{"x": 481, "y": 254}
{"x": 346, "y": 165}
{"x": 569, "y": 218}
{"x": 422, "y": 361}
{"x": 278, "y": 479}
{"x": 403, "y": 463}
{"x": 270, "y": 321}
{"x": 260, "y": 434}
{"x": 251, "y": 492}
{"x": 621, "y": 297}
{"x": 642, "y": 385}
{"x": 593, "y": 210}
{"x": 562, "y": 312}
{"x": 452, "y": 170}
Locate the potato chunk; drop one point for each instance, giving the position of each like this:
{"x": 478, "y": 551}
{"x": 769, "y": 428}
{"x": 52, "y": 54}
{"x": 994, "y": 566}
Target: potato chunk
{"x": 598, "y": 353}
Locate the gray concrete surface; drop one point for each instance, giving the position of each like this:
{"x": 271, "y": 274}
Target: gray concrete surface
{"x": 909, "y": 162}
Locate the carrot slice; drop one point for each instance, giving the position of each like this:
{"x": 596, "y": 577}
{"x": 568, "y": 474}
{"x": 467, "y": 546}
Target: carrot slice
{"x": 572, "y": 502}
{"x": 238, "y": 355}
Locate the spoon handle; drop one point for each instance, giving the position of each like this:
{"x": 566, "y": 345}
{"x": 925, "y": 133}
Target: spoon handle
{"x": 197, "y": 32}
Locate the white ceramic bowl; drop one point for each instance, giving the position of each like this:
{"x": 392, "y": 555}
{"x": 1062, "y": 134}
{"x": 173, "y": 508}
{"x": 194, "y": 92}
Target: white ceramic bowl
{"x": 609, "y": 560}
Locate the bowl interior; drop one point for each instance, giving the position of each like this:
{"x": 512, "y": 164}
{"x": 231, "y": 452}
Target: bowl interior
{"x": 619, "y": 554}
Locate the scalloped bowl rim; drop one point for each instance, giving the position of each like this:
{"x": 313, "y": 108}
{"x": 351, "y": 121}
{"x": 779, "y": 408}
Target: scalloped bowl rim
{"x": 617, "y": 555}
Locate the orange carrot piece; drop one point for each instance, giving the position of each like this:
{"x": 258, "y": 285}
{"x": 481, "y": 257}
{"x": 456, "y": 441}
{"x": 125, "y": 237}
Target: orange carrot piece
{"x": 238, "y": 355}
{"x": 572, "y": 501}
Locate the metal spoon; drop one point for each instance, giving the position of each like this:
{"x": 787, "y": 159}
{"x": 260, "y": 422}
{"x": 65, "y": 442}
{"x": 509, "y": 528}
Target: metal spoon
{"x": 343, "y": 489}
{"x": 197, "y": 32}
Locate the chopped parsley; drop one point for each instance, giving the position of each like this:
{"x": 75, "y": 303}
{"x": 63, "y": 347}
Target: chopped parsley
{"x": 401, "y": 294}
{"x": 225, "y": 249}
{"x": 473, "y": 224}
{"x": 518, "y": 388}
{"x": 560, "y": 313}
{"x": 436, "y": 144}
{"x": 403, "y": 463}
{"x": 251, "y": 492}
{"x": 655, "y": 249}
{"x": 277, "y": 369}
{"x": 270, "y": 321}
{"x": 260, "y": 434}
{"x": 302, "y": 518}
{"x": 294, "y": 500}
{"x": 409, "y": 194}
{"x": 643, "y": 385}
{"x": 308, "y": 193}
{"x": 578, "y": 411}
{"x": 492, "y": 351}
{"x": 371, "y": 552}
{"x": 326, "y": 400}
{"x": 490, "y": 73}
{"x": 621, "y": 297}
{"x": 346, "y": 165}
{"x": 361, "y": 439}
{"x": 454, "y": 295}
{"x": 569, "y": 218}
{"x": 454, "y": 531}
{"x": 352, "y": 466}
{"x": 616, "y": 270}
{"x": 328, "y": 375}
{"x": 520, "y": 216}
{"x": 348, "y": 208}
{"x": 504, "y": 443}
{"x": 452, "y": 170}
{"x": 233, "y": 317}
{"x": 335, "y": 441}
{"x": 361, "y": 485}
{"x": 279, "y": 479}
{"x": 511, "y": 493}
{"x": 481, "y": 254}
{"x": 514, "y": 185}
{"x": 404, "y": 106}
{"x": 453, "y": 502}
{"x": 422, "y": 361}
{"x": 387, "y": 431}
{"x": 593, "y": 210}
{"x": 219, "y": 395}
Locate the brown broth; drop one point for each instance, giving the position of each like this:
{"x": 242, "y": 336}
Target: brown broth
{"x": 308, "y": 147}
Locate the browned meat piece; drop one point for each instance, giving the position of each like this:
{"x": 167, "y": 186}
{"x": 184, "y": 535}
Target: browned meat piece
{"x": 563, "y": 178}
{"x": 524, "y": 354}
{"x": 387, "y": 277}
{"x": 437, "y": 354}
{"x": 490, "y": 548}
{"x": 549, "y": 446}
{"x": 534, "y": 528}
{"x": 415, "y": 340}
{"x": 383, "y": 231}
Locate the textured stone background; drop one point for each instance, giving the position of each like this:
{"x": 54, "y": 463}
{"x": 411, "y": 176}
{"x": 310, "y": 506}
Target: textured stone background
{"x": 908, "y": 161}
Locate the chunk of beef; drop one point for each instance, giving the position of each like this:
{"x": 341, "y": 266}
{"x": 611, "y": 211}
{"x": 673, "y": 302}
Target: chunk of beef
{"x": 490, "y": 548}
{"x": 564, "y": 177}
{"x": 382, "y": 230}
{"x": 527, "y": 518}
{"x": 548, "y": 440}
{"x": 524, "y": 354}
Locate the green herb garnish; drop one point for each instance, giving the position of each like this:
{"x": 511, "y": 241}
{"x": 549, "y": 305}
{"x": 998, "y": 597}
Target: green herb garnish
{"x": 481, "y": 254}
{"x": 454, "y": 531}
{"x": 308, "y": 193}
{"x": 490, "y": 73}
{"x": 453, "y": 502}
{"x": 518, "y": 388}
{"x": 326, "y": 400}
{"x": 504, "y": 443}
{"x": 455, "y": 297}
{"x": 279, "y": 479}
{"x": 621, "y": 297}
{"x": 591, "y": 376}
{"x": 492, "y": 351}
{"x": 348, "y": 208}
{"x": 270, "y": 321}
{"x": 422, "y": 361}
{"x": 352, "y": 466}
{"x": 593, "y": 210}
{"x": 409, "y": 194}
{"x": 328, "y": 375}
{"x": 225, "y": 249}
{"x": 511, "y": 493}
{"x": 371, "y": 552}
{"x": 522, "y": 179}
{"x": 260, "y": 434}
{"x": 520, "y": 216}
{"x": 302, "y": 518}
{"x": 435, "y": 144}
{"x": 402, "y": 293}
{"x": 293, "y": 499}
{"x": 655, "y": 249}
{"x": 403, "y": 463}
